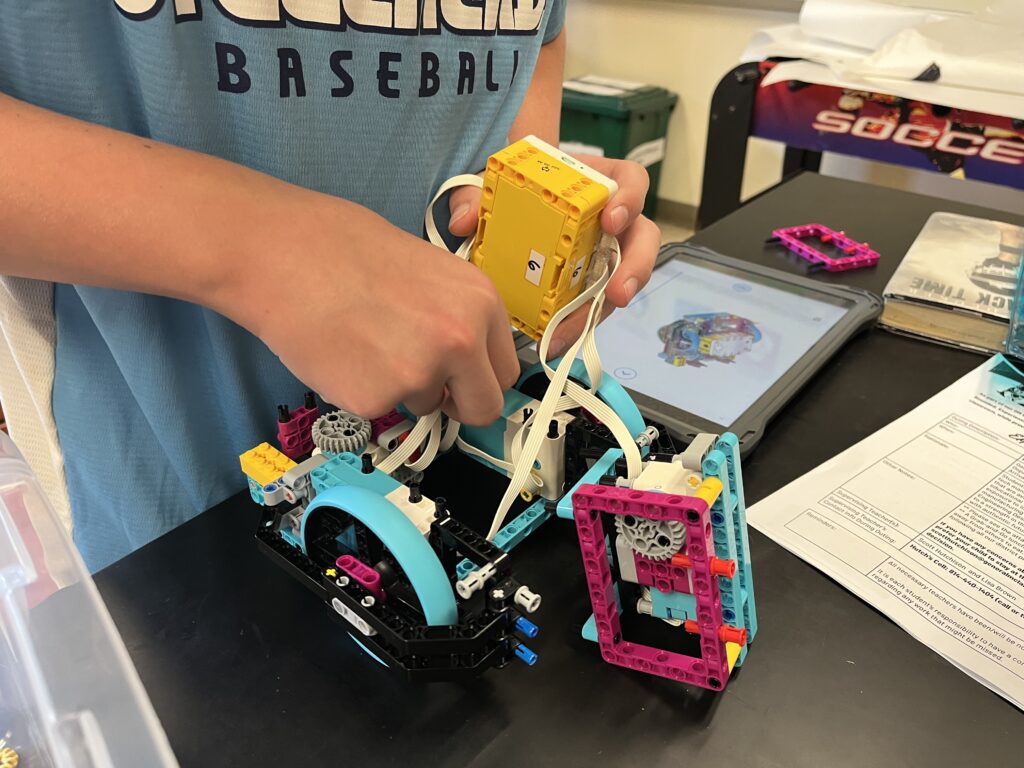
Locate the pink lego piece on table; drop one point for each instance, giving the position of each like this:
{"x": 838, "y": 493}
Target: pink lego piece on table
{"x": 855, "y": 255}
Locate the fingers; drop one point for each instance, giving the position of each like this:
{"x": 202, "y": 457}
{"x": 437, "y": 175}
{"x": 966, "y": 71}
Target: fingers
{"x": 464, "y": 204}
{"x": 627, "y": 204}
{"x": 480, "y": 369}
{"x": 501, "y": 349}
{"x": 639, "y": 246}
{"x": 569, "y": 330}
{"x": 425, "y": 401}
{"x": 475, "y": 397}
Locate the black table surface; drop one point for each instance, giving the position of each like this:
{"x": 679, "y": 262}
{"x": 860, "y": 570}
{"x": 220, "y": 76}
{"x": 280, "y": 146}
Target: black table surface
{"x": 246, "y": 667}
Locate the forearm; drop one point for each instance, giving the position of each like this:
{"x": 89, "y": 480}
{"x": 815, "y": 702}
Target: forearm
{"x": 541, "y": 111}
{"x": 80, "y": 203}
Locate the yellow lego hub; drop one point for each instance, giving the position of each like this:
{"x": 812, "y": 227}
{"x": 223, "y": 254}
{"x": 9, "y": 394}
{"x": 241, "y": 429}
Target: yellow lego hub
{"x": 539, "y": 224}
{"x": 265, "y": 463}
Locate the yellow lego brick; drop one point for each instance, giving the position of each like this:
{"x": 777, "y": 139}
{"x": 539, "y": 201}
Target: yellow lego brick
{"x": 732, "y": 652}
{"x": 539, "y": 224}
{"x": 709, "y": 490}
{"x": 265, "y": 463}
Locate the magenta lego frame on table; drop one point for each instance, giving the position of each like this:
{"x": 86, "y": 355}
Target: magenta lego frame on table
{"x": 858, "y": 255}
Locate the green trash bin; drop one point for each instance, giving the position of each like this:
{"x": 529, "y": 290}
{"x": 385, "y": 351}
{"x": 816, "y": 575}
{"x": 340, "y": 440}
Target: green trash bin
{"x": 618, "y": 119}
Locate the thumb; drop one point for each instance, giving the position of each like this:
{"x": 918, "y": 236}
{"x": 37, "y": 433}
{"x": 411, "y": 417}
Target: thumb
{"x": 464, "y": 204}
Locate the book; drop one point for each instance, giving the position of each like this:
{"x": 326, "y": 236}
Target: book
{"x": 956, "y": 284}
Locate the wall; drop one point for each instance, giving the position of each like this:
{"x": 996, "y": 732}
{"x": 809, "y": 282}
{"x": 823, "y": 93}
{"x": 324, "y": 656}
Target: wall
{"x": 687, "y": 48}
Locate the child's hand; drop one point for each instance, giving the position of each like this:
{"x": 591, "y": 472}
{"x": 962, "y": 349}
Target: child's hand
{"x": 375, "y": 316}
{"x": 638, "y": 236}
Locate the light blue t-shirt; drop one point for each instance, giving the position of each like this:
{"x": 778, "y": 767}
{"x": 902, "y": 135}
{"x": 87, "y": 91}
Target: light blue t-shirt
{"x": 375, "y": 101}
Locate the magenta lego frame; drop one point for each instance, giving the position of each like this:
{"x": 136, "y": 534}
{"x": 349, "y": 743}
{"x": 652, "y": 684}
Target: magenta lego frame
{"x": 589, "y": 503}
{"x": 860, "y": 255}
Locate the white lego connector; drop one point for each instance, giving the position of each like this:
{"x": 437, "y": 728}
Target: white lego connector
{"x": 648, "y": 437}
{"x": 474, "y": 581}
{"x": 527, "y": 599}
{"x": 352, "y": 619}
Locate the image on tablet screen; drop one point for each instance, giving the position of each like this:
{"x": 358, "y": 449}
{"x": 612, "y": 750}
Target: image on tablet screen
{"x": 708, "y": 342}
{"x": 708, "y": 336}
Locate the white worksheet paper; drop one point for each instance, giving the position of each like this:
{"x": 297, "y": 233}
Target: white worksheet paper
{"x": 925, "y": 521}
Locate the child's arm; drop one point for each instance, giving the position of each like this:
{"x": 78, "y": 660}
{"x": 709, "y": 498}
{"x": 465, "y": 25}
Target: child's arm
{"x": 80, "y": 203}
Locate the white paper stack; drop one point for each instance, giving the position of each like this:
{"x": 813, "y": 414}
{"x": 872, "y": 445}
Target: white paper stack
{"x": 962, "y": 53}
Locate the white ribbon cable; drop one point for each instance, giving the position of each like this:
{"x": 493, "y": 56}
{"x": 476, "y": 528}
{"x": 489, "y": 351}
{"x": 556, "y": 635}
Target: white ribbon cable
{"x": 534, "y": 484}
{"x": 451, "y": 435}
{"x": 408, "y": 447}
{"x": 472, "y": 450}
{"x": 546, "y": 411}
{"x": 430, "y": 451}
{"x": 587, "y": 398}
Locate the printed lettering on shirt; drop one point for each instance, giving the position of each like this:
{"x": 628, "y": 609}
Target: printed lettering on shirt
{"x": 424, "y": 74}
{"x": 479, "y": 17}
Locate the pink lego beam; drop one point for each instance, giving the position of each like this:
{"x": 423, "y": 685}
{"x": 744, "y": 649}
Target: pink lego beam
{"x": 360, "y": 572}
{"x": 712, "y": 670}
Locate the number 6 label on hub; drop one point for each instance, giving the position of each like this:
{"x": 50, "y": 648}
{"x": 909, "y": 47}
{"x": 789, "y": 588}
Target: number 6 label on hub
{"x": 535, "y": 267}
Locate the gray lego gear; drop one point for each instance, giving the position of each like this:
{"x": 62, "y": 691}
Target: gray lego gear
{"x": 656, "y": 539}
{"x": 341, "y": 432}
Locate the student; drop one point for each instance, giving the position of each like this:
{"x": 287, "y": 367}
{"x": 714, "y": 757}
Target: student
{"x": 209, "y": 206}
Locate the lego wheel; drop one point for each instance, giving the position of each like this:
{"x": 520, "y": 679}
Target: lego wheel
{"x": 357, "y": 522}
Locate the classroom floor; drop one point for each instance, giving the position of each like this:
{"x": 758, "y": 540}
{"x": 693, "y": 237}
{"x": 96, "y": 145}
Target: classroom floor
{"x": 672, "y": 232}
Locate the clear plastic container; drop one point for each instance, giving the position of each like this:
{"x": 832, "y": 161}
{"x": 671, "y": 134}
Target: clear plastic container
{"x": 69, "y": 695}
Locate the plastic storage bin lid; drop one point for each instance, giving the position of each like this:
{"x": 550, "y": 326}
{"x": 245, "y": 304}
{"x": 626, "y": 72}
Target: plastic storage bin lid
{"x": 69, "y": 695}
{"x": 615, "y": 98}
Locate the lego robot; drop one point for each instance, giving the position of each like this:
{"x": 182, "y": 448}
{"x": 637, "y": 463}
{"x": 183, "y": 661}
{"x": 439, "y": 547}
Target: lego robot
{"x": 431, "y": 595}
{"x": 718, "y": 336}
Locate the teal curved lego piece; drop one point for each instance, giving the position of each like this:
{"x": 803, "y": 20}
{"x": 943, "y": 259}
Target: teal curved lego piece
{"x": 408, "y": 546}
{"x": 610, "y": 391}
{"x": 370, "y": 653}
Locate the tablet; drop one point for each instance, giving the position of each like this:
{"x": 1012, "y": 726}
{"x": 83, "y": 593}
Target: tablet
{"x": 716, "y": 344}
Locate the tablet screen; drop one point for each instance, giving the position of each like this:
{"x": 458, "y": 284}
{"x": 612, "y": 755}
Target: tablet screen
{"x": 711, "y": 341}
